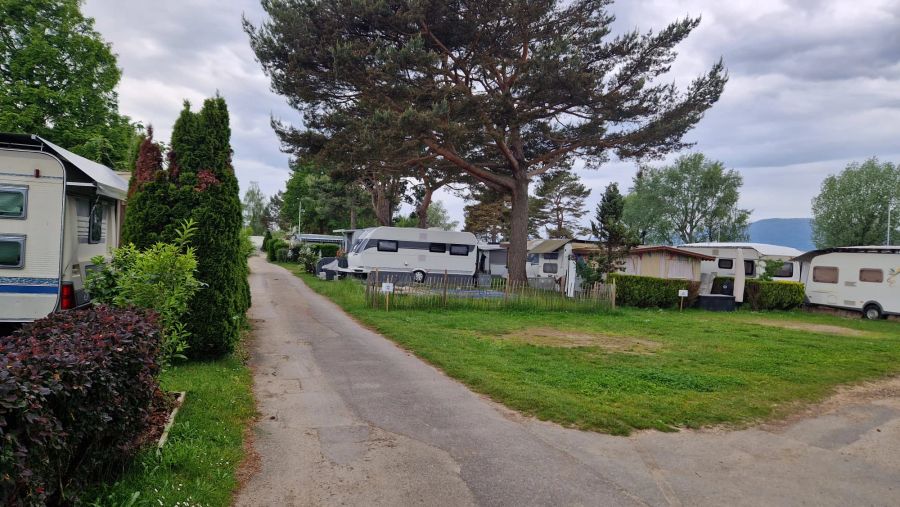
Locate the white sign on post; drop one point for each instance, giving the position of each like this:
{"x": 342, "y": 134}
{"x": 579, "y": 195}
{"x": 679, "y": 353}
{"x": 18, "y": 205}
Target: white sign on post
{"x": 682, "y": 293}
{"x": 387, "y": 287}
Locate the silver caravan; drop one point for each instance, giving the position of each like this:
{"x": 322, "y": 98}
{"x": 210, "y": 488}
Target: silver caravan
{"x": 725, "y": 255}
{"x": 57, "y": 210}
{"x": 861, "y": 278}
{"x": 419, "y": 252}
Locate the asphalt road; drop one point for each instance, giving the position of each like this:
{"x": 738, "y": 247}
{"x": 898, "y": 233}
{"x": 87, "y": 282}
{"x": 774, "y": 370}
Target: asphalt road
{"x": 349, "y": 418}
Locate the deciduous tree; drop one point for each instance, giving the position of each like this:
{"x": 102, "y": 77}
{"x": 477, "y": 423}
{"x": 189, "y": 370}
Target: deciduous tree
{"x": 852, "y": 207}
{"x": 254, "y": 209}
{"x": 502, "y": 90}
{"x": 695, "y": 199}
{"x": 58, "y": 79}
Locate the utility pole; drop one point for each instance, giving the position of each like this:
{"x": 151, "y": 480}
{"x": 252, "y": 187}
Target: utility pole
{"x": 299, "y": 212}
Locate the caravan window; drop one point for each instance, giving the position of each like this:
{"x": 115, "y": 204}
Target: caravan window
{"x": 551, "y": 256}
{"x": 749, "y": 268}
{"x": 437, "y": 247}
{"x": 550, "y": 267}
{"x": 785, "y": 271}
{"x": 13, "y": 201}
{"x": 825, "y": 274}
{"x": 12, "y": 251}
{"x": 385, "y": 245}
{"x": 459, "y": 249}
{"x": 534, "y": 259}
{"x": 726, "y": 263}
{"x": 95, "y": 224}
{"x": 871, "y": 275}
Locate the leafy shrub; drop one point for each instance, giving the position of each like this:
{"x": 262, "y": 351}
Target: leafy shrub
{"x": 650, "y": 292}
{"x": 326, "y": 250}
{"x": 765, "y": 295}
{"x": 307, "y": 257}
{"x": 282, "y": 254}
{"x": 160, "y": 278}
{"x": 273, "y": 247}
{"x": 78, "y": 392}
{"x": 266, "y": 239}
{"x": 247, "y": 248}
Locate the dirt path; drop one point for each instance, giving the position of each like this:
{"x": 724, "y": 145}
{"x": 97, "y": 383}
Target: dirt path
{"x": 348, "y": 418}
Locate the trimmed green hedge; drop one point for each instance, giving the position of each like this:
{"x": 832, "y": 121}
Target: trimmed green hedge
{"x": 273, "y": 247}
{"x": 650, "y": 292}
{"x": 774, "y": 295}
{"x": 325, "y": 249}
{"x": 760, "y": 295}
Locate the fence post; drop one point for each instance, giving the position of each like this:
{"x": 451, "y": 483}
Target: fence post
{"x": 444, "y": 301}
{"x": 613, "y": 297}
{"x": 375, "y": 291}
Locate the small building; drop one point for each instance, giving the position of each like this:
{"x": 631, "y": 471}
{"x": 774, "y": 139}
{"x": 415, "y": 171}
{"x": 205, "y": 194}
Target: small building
{"x": 665, "y": 262}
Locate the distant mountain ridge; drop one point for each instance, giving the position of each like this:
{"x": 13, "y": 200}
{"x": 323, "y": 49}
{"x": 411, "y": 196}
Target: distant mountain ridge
{"x": 793, "y": 232}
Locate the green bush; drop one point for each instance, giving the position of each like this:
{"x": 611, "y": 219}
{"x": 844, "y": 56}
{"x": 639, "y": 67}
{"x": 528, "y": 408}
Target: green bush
{"x": 764, "y": 295}
{"x": 160, "y": 278}
{"x": 325, "y": 250}
{"x": 273, "y": 247}
{"x": 266, "y": 239}
{"x": 650, "y": 292}
{"x": 307, "y": 258}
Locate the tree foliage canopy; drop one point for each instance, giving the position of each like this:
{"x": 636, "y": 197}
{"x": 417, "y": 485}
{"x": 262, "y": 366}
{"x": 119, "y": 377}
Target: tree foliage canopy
{"x": 58, "y": 80}
{"x": 501, "y": 90}
{"x": 254, "y": 206}
{"x": 852, "y": 207}
{"x": 559, "y": 204}
{"x": 695, "y": 199}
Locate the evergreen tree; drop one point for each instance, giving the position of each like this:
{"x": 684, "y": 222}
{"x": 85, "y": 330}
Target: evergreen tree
{"x": 488, "y": 215}
{"x": 560, "y": 200}
{"x": 207, "y": 191}
{"x": 149, "y": 217}
{"x": 613, "y": 235}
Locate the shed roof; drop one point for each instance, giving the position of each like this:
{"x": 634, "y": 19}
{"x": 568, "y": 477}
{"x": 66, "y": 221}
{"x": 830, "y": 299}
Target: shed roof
{"x": 672, "y": 250}
{"x": 849, "y": 249}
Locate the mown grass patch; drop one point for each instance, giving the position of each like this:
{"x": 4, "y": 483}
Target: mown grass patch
{"x": 205, "y": 446}
{"x": 707, "y": 369}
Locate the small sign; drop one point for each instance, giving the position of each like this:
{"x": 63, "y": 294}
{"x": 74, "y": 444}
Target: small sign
{"x": 682, "y": 293}
{"x": 387, "y": 287}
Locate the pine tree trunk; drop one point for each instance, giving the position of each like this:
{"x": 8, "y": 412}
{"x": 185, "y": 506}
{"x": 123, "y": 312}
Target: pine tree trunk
{"x": 352, "y": 216}
{"x": 422, "y": 209}
{"x": 517, "y": 255}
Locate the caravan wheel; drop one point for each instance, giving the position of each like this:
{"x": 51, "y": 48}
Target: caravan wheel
{"x": 872, "y": 312}
{"x": 418, "y": 276}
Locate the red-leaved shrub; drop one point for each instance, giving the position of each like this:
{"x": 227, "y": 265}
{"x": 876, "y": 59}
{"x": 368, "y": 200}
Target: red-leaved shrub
{"x": 77, "y": 392}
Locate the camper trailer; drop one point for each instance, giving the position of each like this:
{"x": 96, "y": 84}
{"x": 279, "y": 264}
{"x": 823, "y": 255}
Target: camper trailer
{"x": 724, "y": 255}
{"x": 420, "y": 253}
{"x": 861, "y": 278}
{"x": 57, "y": 210}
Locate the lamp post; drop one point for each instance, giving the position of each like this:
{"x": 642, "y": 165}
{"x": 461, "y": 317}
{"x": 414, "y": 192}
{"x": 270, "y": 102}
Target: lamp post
{"x": 890, "y": 205}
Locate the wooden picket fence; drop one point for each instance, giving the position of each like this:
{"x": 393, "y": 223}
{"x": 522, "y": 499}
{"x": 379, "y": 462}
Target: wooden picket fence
{"x": 448, "y": 292}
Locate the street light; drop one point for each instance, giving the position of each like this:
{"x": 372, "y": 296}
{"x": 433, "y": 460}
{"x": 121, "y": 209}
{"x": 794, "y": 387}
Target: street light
{"x": 890, "y": 205}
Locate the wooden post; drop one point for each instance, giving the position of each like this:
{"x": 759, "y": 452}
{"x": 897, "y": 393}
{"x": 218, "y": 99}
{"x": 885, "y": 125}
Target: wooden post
{"x": 376, "y": 290}
{"x": 613, "y": 298}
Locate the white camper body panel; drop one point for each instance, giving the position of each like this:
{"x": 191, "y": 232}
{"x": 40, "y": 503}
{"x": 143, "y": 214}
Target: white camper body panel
{"x": 31, "y": 289}
{"x": 73, "y": 210}
{"x": 726, "y": 254}
{"x": 854, "y": 280}
{"x": 421, "y": 252}
{"x": 553, "y": 264}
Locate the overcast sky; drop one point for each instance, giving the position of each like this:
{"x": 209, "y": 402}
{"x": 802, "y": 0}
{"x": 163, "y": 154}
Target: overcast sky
{"x": 814, "y": 84}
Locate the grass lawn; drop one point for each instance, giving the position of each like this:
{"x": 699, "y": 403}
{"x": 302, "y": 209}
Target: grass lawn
{"x": 633, "y": 369}
{"x": 198, "y": 463}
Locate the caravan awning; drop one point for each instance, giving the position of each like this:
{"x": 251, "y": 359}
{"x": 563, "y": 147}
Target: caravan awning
{"x": 108, "y": 183}
{"x": 549, "y": 246}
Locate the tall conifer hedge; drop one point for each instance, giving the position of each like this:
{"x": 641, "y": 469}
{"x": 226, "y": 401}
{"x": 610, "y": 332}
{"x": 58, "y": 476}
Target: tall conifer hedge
{"x": 200, "y": 183}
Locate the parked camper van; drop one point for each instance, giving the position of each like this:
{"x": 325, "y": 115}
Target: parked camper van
{"x": 419, "y": 252}
{"x": 57, "y": 210}
{"x": 862, "y": 278}
{"x": 725, "y": 254}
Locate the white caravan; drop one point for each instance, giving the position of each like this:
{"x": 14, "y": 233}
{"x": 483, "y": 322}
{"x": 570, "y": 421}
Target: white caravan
{"x": 726, "y": 253}
{"x": 57, "y": 210}
{"x": 862, "y": 278}
{"x": 423, "y": 253}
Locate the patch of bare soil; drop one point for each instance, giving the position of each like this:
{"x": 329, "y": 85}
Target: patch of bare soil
{"x": 551, "y": 337}
{"x": 857, "y": 394}
{"x": 812, "y": 328}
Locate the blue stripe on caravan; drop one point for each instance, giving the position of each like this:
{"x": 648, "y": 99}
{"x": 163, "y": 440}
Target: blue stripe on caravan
{"x": 29, "y": 289}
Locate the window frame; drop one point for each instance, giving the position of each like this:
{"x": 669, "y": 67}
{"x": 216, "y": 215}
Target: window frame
{"x": 551, "y": 256}
{"x": 837, "y": 274}
{"x": 752, "y": 266}
{"x": 22, "y": 189}
{"x": 789, "y": 275}
{"x": 548, "y": 264}
{"x": 378, "y": 243}
{"x": 880, "y": 275}
{"x": 729, "y": 261}
{"x": 457, "y": 246}
{"x": 21, "y": 240}
{"x": 433, "y": 247}
{"x": 533, "y": 259}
